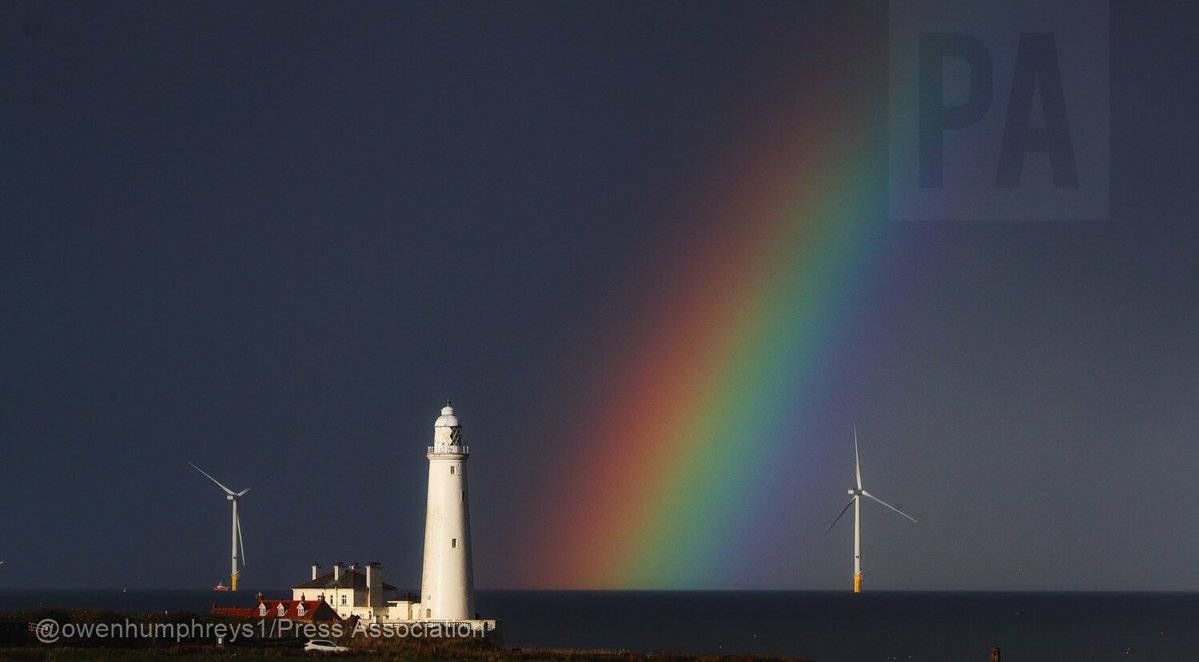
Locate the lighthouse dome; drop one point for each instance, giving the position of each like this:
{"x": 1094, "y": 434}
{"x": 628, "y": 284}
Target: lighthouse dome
{"x": 447, "y": 418}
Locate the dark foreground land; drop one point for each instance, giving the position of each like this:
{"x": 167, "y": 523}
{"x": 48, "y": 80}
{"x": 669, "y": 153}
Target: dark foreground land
{"x": 18, "y": 641}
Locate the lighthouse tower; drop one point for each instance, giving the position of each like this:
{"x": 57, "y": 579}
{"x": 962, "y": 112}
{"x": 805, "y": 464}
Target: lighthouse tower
{"x": 447, "y": 584}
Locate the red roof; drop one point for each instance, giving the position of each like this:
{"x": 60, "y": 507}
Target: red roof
{"x": 295, "y": 610}
{"x": 291, "y": 609}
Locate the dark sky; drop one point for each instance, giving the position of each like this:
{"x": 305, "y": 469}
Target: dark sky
{"x": 272, "y": 239}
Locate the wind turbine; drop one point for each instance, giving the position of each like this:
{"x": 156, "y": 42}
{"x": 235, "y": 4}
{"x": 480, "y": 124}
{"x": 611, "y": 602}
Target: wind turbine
{"x": 856, "y": 495}
{"x": 238, "y": 543}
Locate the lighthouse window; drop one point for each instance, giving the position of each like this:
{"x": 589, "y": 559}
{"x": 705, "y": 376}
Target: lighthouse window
{"x": 451, "y": 471}
{"x": 454, "y": 543}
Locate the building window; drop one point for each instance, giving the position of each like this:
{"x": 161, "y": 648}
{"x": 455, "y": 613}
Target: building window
{"x": 428, "y": 613}
{"x": 343, "y": 600}
{"x": 454, "y": 543}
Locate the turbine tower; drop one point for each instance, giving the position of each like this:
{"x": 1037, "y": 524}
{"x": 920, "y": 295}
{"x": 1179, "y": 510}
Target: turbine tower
{"x": 447, "y": 583}
{"x": 855, "y": 500}
{"x": 237, "y": 544}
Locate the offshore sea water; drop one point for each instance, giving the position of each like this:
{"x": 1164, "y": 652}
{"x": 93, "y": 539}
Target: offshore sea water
{"x": 833, "y": 627}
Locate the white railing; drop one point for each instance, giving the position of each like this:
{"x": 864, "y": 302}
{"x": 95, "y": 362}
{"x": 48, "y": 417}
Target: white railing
{"x": 453, "y": 450}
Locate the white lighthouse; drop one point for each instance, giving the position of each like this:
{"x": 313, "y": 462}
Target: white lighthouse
{"x": 447, "y": 583}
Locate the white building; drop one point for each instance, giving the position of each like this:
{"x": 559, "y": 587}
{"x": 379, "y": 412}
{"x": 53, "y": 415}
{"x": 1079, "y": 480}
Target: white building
{"x": 447, "y": 583}
{"x": 447, "y": 580}
{"x": 354, "y": 592}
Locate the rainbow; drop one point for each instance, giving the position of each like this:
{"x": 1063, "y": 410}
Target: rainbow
{"x": 728, "y": 355}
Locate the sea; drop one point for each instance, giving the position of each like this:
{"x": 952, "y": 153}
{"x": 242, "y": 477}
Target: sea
{"x": 822, "y": 626}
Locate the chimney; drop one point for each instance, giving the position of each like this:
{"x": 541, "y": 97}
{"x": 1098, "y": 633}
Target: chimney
{"x": 374, "y": 583}
{"x": 316, "y": 569}
{"x": 336, "y": 570}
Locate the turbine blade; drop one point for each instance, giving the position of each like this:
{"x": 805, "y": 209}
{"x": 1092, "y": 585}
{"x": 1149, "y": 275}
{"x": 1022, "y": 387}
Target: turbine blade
{"x": 264, "y": 477}
{"x": 241, "y": 543}
{"x": 843, "y": 510}
{"x": 857, "y": 462}
{"x": 865, "y": 493}
{"x": 219, "y": 483}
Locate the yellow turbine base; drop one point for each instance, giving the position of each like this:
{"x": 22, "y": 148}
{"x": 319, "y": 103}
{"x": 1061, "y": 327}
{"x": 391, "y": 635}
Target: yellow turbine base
{"x": 857, "y": 583}
{"x": 233, "y": 582}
